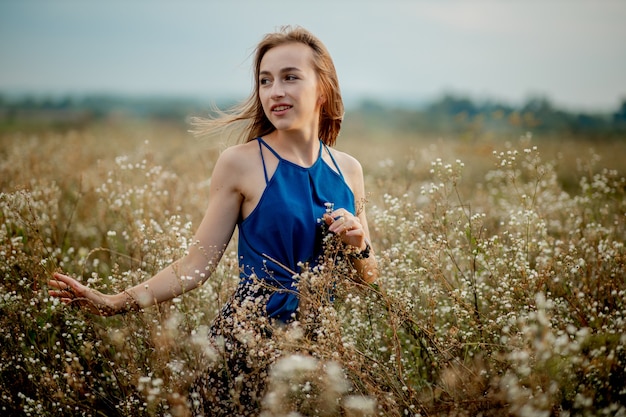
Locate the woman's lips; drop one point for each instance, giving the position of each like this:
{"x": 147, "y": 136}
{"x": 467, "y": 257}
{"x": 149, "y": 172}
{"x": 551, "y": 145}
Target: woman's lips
{"x": 280, "y": 108}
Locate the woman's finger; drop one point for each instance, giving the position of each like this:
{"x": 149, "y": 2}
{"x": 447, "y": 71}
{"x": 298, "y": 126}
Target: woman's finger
{"x": 60, "y": 281}
{"x": 341, "y": 212}
{"x": 344, "y": 223}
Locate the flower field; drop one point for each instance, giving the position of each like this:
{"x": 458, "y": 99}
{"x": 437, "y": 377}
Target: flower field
{"x": 502, "y": 288}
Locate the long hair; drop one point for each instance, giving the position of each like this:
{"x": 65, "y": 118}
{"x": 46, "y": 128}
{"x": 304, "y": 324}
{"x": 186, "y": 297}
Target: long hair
{"x": 250, "y": 112}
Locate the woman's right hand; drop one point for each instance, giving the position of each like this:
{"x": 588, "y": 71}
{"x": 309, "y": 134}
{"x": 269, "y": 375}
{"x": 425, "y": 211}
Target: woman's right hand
{"x": 72, "y": 292}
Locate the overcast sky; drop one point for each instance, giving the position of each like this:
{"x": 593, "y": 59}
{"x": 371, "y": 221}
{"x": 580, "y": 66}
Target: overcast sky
{"x": 573, "y": 52}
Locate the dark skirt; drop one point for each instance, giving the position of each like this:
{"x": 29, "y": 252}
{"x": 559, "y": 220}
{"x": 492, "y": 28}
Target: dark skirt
{"x": 236, "y": 382}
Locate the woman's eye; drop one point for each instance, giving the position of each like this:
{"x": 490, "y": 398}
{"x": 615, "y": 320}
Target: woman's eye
{"x": 291, "y": 78}
{"x": 264, "y": 81}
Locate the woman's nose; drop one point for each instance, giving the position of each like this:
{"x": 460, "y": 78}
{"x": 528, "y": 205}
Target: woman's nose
{"x": 277, "y": 90}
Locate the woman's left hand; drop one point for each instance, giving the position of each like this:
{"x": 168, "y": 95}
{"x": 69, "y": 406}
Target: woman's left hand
{"x": 348, "y": 226}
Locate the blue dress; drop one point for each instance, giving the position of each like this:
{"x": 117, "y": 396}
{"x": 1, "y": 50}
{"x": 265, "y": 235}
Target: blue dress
{"x": 285, "y": 226}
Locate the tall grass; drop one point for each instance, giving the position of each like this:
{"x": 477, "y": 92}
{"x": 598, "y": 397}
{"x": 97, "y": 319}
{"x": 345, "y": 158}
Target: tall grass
{"x": 502, "y": 286}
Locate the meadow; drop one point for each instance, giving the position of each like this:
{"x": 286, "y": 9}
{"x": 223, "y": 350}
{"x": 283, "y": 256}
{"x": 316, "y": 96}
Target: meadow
{"x": 502, "y": 288}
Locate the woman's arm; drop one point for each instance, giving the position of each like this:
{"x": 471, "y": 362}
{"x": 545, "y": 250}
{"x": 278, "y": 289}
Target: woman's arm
{"x": 354, "y": 230}
{"x": 187, "y": 273}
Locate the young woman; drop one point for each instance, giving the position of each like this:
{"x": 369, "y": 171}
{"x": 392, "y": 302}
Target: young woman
{"x": 274, "y": 187}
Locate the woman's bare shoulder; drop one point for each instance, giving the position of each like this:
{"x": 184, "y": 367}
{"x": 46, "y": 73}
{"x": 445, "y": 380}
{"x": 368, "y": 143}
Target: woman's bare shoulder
{"x": 348, "y": 163}
{"x": 239, "y": 157}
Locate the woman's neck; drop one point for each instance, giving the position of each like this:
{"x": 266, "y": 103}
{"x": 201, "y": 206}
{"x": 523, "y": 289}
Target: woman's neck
{"x": 298, "y": 147}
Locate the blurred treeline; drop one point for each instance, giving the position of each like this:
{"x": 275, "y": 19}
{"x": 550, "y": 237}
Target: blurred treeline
{"x": 450, "y": 114}
{"x": 460, "y": 116}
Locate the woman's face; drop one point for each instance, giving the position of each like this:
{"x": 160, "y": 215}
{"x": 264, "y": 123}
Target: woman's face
{"x": 289, "y": 89}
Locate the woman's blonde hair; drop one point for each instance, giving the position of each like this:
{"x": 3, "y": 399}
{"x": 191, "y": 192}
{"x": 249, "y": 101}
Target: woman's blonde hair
{"x": 250, "y": 111}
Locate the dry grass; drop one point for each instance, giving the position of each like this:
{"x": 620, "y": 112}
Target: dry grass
{"x": 502, "y": 287}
